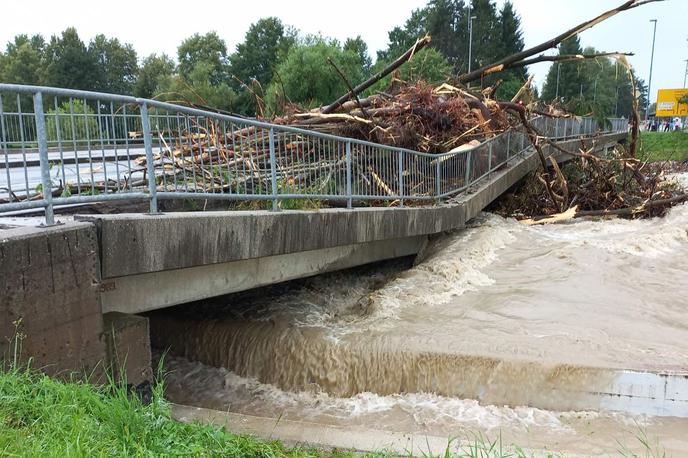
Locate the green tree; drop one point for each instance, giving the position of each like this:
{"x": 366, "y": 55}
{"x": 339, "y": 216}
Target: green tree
{"x": 198, "y": 90}
{"x": 360, "y": 48}
{"x": 210, "y": 51}
{"x": 600, "y": 86}
{"x": 265, "y": 44}
{"x": 116, "y": 65}
{"x": 23, "y": 61}
{"x": 428, "y": 65}
{"x": 571, "y": 78}
{"x": 153, "y": 75}
{"x": 68, "y": 62}
{"x": 486, "y": 35}
{"x": 305, "y": 77}
{"x": 599, "y": 92}
{"x": 495, "y": 35}
{"x": 642, "y": 94}
{"x": 402, "y": 38}
{"x": 447, "y": 23}
{"x": 510, "y": 42}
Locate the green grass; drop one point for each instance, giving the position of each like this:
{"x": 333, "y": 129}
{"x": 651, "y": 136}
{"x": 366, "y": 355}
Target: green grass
{"x": 44, "y": 417}
{"x": 41, "y": 416}
{"x": 663, "y": 146}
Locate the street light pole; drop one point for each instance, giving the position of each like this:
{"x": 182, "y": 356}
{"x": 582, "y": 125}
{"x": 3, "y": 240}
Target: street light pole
{"x": 685, "y": 75}
{"x": 470, "y": 40}
{"x": 556, "y": 96}
{"x": 652, "y": 61}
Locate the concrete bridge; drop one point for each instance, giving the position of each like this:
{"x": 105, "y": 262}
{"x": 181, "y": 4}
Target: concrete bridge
{"x": 74, "y": 288}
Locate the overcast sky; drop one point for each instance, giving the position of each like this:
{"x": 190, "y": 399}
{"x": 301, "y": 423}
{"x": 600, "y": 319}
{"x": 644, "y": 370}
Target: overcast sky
{"x": 159, "y": 26}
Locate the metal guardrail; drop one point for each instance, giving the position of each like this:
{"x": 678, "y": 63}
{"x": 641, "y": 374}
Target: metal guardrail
{"x": 93, "y": 147}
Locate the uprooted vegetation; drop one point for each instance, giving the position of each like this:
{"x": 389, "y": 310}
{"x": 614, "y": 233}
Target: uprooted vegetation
{"x": 416, "y": 116}
{"x": 612, "y": 185}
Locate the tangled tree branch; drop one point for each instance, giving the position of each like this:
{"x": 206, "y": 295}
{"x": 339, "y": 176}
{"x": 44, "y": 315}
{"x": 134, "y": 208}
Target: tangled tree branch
{"x": 552, "y": 43}
{"x": 408, "y": 55}
{"x": 565, "y": 58}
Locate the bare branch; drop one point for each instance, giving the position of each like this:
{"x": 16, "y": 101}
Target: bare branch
{"x": 408, "y": 55}
{"x": 552, "y": 43}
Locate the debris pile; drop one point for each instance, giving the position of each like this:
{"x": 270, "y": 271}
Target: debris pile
{"x": 416, "y": 116}
{"x": 592, "y": 186}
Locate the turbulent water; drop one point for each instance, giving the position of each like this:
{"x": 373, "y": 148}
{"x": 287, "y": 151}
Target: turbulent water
{"x": 499, "y": 314}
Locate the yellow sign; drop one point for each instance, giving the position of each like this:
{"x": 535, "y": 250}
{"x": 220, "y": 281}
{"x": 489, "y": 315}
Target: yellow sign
{"x": 669, "y": 103}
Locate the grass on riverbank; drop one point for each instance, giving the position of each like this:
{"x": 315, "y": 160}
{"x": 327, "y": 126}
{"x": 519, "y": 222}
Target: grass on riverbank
{"x": 40, "y": 416}
{"x": 664, "y": 146}
{"x": 44, "y": 417}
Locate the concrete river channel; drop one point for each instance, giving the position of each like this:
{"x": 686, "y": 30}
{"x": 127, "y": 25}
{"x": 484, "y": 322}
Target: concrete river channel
{"x": 569, "y": 337}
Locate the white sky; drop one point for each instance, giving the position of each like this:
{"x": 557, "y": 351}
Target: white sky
{"x": 159, "y": 26}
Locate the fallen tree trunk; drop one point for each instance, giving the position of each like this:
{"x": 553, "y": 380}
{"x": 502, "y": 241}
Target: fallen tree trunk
{"x": 408, "y": 55}
{"x": 565, "y": 58}
{"x": 633, "y": 210}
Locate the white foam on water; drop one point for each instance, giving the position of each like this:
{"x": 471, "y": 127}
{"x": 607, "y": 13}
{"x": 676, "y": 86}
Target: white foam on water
{"x": 228, "y": 390}
{"x": 455, "y": 267}
{"x": 650, "y": 238}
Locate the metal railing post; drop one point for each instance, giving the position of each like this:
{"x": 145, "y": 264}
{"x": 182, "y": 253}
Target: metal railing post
{"x": 523, "y": 142}
{"x": 469, "y": 154}
{"x": 401, "y": 178}
{"x": 273, "y": 169}
{"x": 438, "y": 187}
{"x": 41, "y": 136}
{"x": 4, "y": 150}
{"x": 556, "y": 128}
{"x": 150, "y": 169}
{"x": 489, "y": 157}
{"x": 349, "y": 198}
{"x": 508, "y": 144}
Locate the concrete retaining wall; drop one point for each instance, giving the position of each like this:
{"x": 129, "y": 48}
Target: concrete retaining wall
{"x": 49, "y": 282}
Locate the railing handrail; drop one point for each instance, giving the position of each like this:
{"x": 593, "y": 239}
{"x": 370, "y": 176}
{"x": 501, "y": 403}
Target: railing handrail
{"x": 92, "y": 95}
{"x": 577, "y": 127}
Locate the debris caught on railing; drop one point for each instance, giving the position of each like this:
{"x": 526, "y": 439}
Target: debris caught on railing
{"x": 416, "y": 116}
{"x": 611, "y": 186}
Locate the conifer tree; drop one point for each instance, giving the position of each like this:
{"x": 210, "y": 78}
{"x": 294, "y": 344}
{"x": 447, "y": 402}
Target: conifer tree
{"x": 571, "y": 77}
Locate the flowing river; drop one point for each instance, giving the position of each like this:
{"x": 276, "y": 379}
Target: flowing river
{"x": 552, "y": 336}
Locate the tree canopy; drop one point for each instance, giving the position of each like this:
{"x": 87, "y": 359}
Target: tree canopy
{"x": 600, "y": 86}
{"x": 273, "y": 65}
{"x": 305, "y": 76}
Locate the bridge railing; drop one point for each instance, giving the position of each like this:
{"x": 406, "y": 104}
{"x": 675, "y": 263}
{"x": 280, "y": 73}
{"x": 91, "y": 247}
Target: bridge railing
{"x": 62, "y": 147}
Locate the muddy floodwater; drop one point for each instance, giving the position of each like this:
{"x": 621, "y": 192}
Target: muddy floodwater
{"x": 558, "y": 337}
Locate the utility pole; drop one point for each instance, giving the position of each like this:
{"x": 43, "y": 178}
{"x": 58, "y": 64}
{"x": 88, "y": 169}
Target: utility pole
{"x": 616, "y": 85}
{"x": 470, "y": 39}
{"x": 685, "y": 75}
{"x": 558, "y": 76}
{"x": 652, "y": 61}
